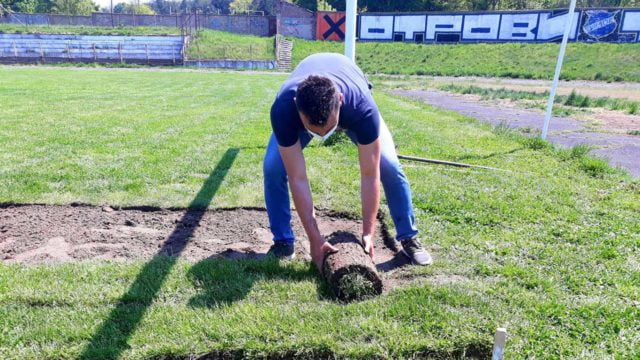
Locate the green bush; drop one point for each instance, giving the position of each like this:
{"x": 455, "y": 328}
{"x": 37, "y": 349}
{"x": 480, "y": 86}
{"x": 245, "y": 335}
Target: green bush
{"x": 594, "y": 167}
{"x": 536, "y": 143}
{"x": 584, "y": 102}
{"x": 576, "y": 152}
{"x": 572, "y": 99}
{"x": 580, "y": 150}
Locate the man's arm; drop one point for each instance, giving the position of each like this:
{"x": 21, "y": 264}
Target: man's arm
{"x": 299, "y": 183}
{"x": 369, "y": 158}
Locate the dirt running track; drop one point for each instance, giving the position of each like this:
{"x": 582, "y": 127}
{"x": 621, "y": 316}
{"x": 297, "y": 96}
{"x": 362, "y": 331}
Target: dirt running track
{"x": 622, "y": 90}
{"x": 619, "y": 149}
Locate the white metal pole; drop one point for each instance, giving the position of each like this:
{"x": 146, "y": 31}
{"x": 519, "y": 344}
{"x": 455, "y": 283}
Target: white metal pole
{"x": 556, "y": 77}
{"x": 499, "y": 341}
{"x": 350, "y": 36}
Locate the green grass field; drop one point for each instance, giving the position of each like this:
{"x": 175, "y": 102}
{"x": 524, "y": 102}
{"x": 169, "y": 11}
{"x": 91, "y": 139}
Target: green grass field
{"x": 548, "y": 250}
{"x": 512, "y": 60}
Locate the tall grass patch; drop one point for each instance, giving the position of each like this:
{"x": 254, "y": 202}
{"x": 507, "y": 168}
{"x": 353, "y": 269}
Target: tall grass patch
{"x": 213, "y": 44}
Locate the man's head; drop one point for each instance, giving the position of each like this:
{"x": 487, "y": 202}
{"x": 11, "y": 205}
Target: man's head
{"x": 318, "y": 102}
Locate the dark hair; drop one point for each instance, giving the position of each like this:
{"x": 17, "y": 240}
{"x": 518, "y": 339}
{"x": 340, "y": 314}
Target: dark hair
{"x": 317, "y": 98}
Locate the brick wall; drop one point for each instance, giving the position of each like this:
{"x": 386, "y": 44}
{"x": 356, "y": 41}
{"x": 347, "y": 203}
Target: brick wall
{"x": 293, "y": 20}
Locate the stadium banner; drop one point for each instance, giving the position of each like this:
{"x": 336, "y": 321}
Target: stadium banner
{"x": 330, "y": 25}
{"x": 589, "y": 25}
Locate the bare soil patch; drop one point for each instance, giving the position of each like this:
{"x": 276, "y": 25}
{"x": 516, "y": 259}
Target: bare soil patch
{"x": 36, "y": 234}
{"x": 616, "y": 122}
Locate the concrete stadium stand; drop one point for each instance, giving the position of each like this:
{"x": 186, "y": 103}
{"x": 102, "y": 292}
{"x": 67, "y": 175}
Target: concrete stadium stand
{"x": 233, "y": 64}
{"x": 50, "y": 48}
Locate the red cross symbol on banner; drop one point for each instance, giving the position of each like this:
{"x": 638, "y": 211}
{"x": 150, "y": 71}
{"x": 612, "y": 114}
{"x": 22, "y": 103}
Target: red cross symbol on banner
{"x": 330, "y": 25}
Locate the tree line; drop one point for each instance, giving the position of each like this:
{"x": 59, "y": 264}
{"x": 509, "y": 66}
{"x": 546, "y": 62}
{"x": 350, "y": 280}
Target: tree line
{"x": 268, "y": 7}
{"x": 74, "y": 7}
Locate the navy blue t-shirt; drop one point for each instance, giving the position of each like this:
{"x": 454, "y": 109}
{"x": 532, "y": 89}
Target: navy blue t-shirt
{"x": 359, "y": 113}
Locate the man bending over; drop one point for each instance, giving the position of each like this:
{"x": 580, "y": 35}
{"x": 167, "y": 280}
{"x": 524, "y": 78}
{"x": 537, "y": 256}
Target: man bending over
{"x": 326, "y": 92}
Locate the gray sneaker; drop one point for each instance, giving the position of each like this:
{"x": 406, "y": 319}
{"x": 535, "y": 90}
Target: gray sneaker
{"x": 414, "y": 251}
{"x": 281, "y": 250}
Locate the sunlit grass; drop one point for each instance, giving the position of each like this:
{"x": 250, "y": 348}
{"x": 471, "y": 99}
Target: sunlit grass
{"x": 547, "y": 248}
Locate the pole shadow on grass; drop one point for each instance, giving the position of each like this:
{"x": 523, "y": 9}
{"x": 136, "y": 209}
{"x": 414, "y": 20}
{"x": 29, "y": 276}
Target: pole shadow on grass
{"x": 111, "y": 338}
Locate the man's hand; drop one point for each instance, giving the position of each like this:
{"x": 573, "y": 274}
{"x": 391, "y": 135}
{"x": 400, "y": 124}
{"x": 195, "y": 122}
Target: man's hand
{"x": 318, "y": 253}
{"x": 367, "y": 244}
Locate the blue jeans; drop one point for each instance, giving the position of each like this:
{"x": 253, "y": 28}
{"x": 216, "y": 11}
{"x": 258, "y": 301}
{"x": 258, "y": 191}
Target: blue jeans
{"x": 394, "y": 182}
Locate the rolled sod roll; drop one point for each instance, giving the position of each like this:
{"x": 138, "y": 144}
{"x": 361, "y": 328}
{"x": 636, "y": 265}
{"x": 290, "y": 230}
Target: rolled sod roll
{"x": 350, "y": 272}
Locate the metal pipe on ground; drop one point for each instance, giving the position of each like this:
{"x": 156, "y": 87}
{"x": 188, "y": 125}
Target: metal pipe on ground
{"x": 449, "y": 163}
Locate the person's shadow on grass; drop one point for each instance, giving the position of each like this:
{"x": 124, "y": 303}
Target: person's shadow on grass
{"x": 224, "y": 281}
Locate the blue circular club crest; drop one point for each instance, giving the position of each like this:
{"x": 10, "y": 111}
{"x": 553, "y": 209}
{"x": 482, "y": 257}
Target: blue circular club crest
{"x": 600, "y": 23}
